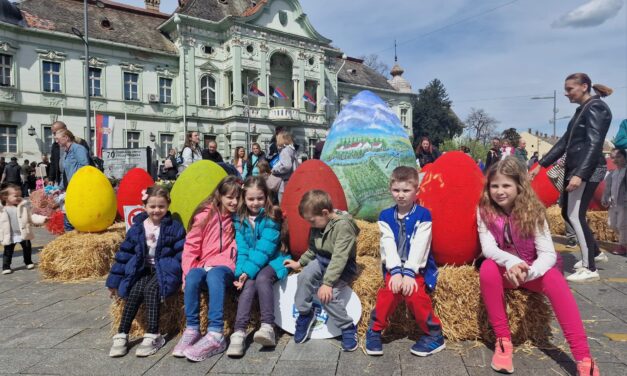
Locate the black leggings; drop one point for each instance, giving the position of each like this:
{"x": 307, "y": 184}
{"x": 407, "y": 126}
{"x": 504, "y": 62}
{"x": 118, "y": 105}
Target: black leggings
{"x": 146, "y": 290}
{"x": 27, "y": 250}
{"x": 575, "y": 205}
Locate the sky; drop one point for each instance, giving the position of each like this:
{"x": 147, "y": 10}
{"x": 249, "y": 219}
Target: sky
{"x": 489, "y": 54}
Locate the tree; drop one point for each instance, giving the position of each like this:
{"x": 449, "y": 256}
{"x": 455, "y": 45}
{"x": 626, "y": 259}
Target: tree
{"x": 480, "y": 126}
{"x": 512, "y": 136}
{"x": 373, "y": 62}
{"x": 433, "y": 115}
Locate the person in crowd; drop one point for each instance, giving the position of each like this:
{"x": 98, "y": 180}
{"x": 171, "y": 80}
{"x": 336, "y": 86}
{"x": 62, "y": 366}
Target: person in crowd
{"x": 272, "y": 182}
{"x": 615, "y": 198}
{"x": 16, "y": 218}
{"x": 287, "y": 163}
{"x": 211, "y": 153}
{"x": 57, "y": 154}
{"x": 3, "y": 164}
{"x": 318, "y": 149}
{"x": 46, "y": 163}
{"x": 75, "y": 157}
{"x": 147, "y": 269}
{"x": 533, "y": 160}
{"x": 256, "y": 155}
{"x": 426, "y": 153}
{"x": 620, "y": 141}
{"x": 494, "y": 154}
{"x": 328, "y": 266}
{"x": 585, "y": 165}
{"x": 409, "y": 267}
{"x": 519, "y": 253}
{"x": 170, "y": 166}
{"x": 481, "y": 165}
{"x": 260, "y": 258}
{"x": 239, "y": 159}
{"x": 506, "y": 149}
{"x": 273, "y": 149}
{"x": 191, "y": 150}
{"x": 521, "y": 151}
{"x": 12, "y": 173}
{"x": 25, "y": 172}
{"x": 208, "y": 262}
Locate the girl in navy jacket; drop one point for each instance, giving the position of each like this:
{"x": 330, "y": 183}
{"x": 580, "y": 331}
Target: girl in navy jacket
{"x": 147, "y": 269}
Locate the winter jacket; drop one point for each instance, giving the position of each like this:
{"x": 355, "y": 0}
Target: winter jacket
{"x": 259, "y": 247}
{"x": 620, "y": 141}
{"x": 130, "y": 260}
{"x": 75, "y": 158}
{"x": 286, "y": 165}
{"x": 337, "y": 242}
{"x": 424, "y": 158}
{"x": 212, "y": 244}
{"x": 251, "y": 169}
{"x": 25, "y": 217}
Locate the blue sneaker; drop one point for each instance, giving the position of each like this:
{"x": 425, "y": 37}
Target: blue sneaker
{"x": 374, "y": 346}
{"x": 303, "y": 326}
{"x": 428, "y": 345}
{"x": 349, "y": 338}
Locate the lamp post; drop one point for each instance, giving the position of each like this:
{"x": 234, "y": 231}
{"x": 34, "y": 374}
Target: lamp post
{"x": 555, "y": 110}
{"x": 85, "y": 38}
{"x": 31, "y": 131}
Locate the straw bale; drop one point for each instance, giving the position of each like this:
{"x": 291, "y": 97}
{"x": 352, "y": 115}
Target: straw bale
{"x": 78, "y": 256}
{"x": 556, "y": 222}
{"x": 368, "y": 239}
{"x": 597, "y": 220}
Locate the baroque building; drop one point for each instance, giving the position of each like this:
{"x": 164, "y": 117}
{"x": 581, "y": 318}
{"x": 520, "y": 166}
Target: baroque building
{"x": 212, "y": 66}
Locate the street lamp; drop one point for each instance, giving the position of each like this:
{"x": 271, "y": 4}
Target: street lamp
{"x": 246, "y": 100}
{"x": 555, "y": 110}
{"x": 31, "y": 131}
{"x": 152, "y": 137}
{"x": 85, "y": 39}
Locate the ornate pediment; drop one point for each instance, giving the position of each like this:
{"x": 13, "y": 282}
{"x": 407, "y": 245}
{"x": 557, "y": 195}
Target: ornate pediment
{"x": 8, "y": 47}
{"x": 132, "y": 67}
{"x": 209, "y": 67}
{"x": 166, "y": 72}
{"x": 96, "y": 62}
{"x": 51, "y": 55}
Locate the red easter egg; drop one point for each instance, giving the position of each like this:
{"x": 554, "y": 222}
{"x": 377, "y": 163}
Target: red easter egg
{"x": 451, "y": 190}
{"x": 131, "y": 186}
{"x": 545, "y": 190}
{"x": 611, "y": 166}
{"x": 595, "y": 203}
{"x": 312, "y": 174}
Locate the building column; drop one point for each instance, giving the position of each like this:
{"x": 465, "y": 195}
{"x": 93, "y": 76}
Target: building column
{"x": 321, "y": 88}
{"x": 236, "y": 49}
{"x": 296, "y": 97}
{"x": 301, "y": 83}
{"x": 263, "y": 76}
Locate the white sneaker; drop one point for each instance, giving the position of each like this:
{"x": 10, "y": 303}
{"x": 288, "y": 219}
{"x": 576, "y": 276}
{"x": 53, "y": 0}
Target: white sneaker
{"x": 150, "y": 345}
{"x": 7, "y": 271}
{"x": 584, "y": 275}
{"x": 120, "y": 345}
{"x": 265, "y": 336}
{"x": 30, "y": 266}
{"x": 237, "y": 345}
{"x": 601, "y": 257}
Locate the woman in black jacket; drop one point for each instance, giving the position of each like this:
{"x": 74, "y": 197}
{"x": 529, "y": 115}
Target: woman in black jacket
{"x": 585, "y": 167}
{"x": 426, "y": 153}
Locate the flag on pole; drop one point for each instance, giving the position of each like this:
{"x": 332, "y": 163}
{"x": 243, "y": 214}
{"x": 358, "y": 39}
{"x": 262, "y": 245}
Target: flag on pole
{"x": 104, "y": 133}
{"x": 307, "y": 97}
{"x": 278, "y": 93}
{"x": 254, "y": 90}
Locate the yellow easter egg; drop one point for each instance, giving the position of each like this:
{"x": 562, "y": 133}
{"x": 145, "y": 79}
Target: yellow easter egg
{"x": 90, "y": 202}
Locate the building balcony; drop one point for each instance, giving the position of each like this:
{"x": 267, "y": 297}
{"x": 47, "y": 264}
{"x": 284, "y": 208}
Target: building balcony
{"x": 284, "y": 114}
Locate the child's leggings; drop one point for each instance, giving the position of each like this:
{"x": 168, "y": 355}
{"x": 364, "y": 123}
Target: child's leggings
{"x": 263, "y": 287}
{"x": 553, "y": 285}
{"x": 216, "y": 280}
{"x": 7, "y": 257}
{"x": 419, "y": 303}
{"x": 145, "y": 290}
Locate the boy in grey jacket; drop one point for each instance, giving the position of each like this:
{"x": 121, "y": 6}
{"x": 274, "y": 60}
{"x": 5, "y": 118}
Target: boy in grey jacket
{"x": 615, "y": 198}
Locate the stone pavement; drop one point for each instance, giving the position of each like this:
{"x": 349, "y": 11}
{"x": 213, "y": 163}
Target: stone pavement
{"x": 64, "y": 329}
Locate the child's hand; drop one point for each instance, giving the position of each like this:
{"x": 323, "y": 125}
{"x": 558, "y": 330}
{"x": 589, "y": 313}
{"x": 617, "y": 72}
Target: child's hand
{"x": 409, "y": 286}
{"x": 291, "y": 264}
{"x": 113, "y": 293}
{"x": 241, "y": 281}
{"x": 517, "y": 274}
{"x": 395, "y": 283}
{"x": 325, "y": 294}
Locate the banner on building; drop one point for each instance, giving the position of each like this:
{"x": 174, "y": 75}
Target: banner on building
{"x": 104, "y": 133}
{"x": 117, "y": 162}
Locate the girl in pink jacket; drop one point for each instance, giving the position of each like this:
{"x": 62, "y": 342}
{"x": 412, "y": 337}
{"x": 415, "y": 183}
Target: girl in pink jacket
{"x": 208, "y": 263}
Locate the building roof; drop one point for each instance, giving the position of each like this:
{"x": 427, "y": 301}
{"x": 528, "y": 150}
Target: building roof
{"x": 398, "y": 82}
{"x": 217, "y": 10}
{"x": 355, "y": 72}
{"x": 128, "y": 25}
{"x": 10, "y": 14}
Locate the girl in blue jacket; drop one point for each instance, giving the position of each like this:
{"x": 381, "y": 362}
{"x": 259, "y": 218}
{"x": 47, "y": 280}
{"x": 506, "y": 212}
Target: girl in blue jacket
{"x": 259, "y": 263}
{"x": 147, "y": 269}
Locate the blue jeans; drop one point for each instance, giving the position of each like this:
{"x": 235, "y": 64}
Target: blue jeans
{"x": 216, "y": 280}
{"x": 67, "y": 226}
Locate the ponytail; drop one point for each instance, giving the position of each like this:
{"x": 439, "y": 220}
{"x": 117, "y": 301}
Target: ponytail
{"x": 582, "y": 78}
{"x": 602, "y": 90}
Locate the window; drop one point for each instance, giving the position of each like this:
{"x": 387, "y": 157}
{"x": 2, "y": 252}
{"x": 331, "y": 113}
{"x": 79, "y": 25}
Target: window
{"x": 404, "y": 117}
{"x": 207, "y": 91}
{"x": 165, "y": 90}
{"x": 95, "y": 75}
{"x": 6, "y": 65}
{"x": 166, "y": 143}
{"x": 312, "y": 147}
{"x": 132, "y": 139}
{"x": 48, "y": 138}
{"x": 208, "y": 138}
{"x": 8, "y": 139}
{"x": 131, "y": 84}
{"x": 52, "y": 76}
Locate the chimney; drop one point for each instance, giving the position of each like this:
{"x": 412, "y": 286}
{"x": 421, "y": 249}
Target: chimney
{"x": 152, "y": 5}
{"x": 529, "y": 130}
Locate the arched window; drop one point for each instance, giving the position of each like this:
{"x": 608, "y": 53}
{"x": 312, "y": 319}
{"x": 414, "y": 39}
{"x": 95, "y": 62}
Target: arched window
{"x": 207, "y": 91}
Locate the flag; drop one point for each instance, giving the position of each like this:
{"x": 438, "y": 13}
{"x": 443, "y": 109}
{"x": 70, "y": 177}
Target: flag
{"x": 278, "y": 93}
{"x": 307, "y": 97}
{"x": 254, "y": 90}
{"x": 104, "y": 133}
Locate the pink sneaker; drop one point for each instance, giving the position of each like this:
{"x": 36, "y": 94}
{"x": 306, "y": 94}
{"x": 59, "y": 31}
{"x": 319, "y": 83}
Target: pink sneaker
{"x": 502, "y": 361}
{"x": 587, "y": 367}
{"x": 189, "y": 337}
{"x": 209, "y": 345}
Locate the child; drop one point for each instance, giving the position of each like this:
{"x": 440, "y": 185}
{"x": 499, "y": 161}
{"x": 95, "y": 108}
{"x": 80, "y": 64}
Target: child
{"x": 208, "y": 264}
{"x": 615, "y": 197}
{"x": 259, "y": 262}
{"x": 519, "y": 252}
{"x": 272, "y": 182}
{"x": 16, "y": 219}
{"x": 506, "y": 150}
{"x": 329, "y": 266}
{"x": 147, "y": 269}
{"x": 409, "y": 269}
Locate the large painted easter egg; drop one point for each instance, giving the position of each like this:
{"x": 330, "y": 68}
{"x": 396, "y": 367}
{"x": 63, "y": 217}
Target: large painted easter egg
{"x": 90, "y": 202}
{"x": 451, "y": 190}
{"x": 364, "y": 145}
{"x": 312, "y": 174}
{"x": 131, "y": 187}
{"x": 545, "y": 190}
{"x": 195, "y": 184}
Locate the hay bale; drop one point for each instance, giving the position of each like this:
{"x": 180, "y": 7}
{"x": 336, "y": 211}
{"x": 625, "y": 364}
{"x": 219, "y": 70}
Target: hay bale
{"x": 369, "y": 280}
{"x": 368, "y": 239}
{"x": 597, "y": 220}
{"x": 556, "y": 222}
{"x": 78, "y": 256}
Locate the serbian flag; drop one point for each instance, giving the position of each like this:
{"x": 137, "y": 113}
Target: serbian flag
{"x": 104, "y": 133}
{"x": 279, "y": 93}
{"x": 254, "y": 90}
{"x": 307, "y": 97}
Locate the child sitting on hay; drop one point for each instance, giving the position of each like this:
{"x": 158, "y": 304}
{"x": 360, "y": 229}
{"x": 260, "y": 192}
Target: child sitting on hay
{"x": 147, "y": 269}
{"x": 615, "y": 198}
{"x": 329, "y": 266}
{"x": 519, "y": 252}
{"x": 409, "y": 268}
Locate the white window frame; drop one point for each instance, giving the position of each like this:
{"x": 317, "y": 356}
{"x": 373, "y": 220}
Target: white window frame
{"x": 209, "y": 89}
{"x": 51, "y": 74}
{"x": 6, "y": 132}
{"x": 127, "y": 139}
{"x": 92, "y": 79}
{"x": 137, "y": 91}
{"x": 9, "y": 66}
{"x": 47, "y": 141}
{"x": 165, "y": 91}
{"x": 162, "y": 144}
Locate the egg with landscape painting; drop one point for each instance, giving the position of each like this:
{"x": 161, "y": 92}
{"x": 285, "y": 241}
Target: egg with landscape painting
{"x": 90, "y": 202}
{"x": 364, "y": 145}
{"x": 131, "y": 186}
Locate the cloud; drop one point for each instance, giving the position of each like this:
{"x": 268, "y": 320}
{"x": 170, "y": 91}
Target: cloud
{"x": 590, "y": 14}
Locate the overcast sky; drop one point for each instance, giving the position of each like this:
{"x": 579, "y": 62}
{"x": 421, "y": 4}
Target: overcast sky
{"x": 492, "y": 54}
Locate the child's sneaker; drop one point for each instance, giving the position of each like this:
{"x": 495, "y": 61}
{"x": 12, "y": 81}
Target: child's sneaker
{"x": 374, "y": 345}
{"x": 428, "y": 345}
{"x": 7, "y": 271}
{"x": 303, "y": 326}
{"x": 30, "y": 266}
{"x": 189, "y": 337}
{"x": 587, "y": 367}
{"x": 265, "y": 336}
{"x": 209, "y": 345}
{"x": 237, "y": 345}
{"x": 502, "y": 360}
{"x": 120, "y": 345}
{"x": 349, "y": 338}
{"x": 150, "y": 345}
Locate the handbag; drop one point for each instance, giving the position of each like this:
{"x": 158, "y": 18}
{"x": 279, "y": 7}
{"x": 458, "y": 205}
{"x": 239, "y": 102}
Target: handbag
{"x": 273, "y": 182}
